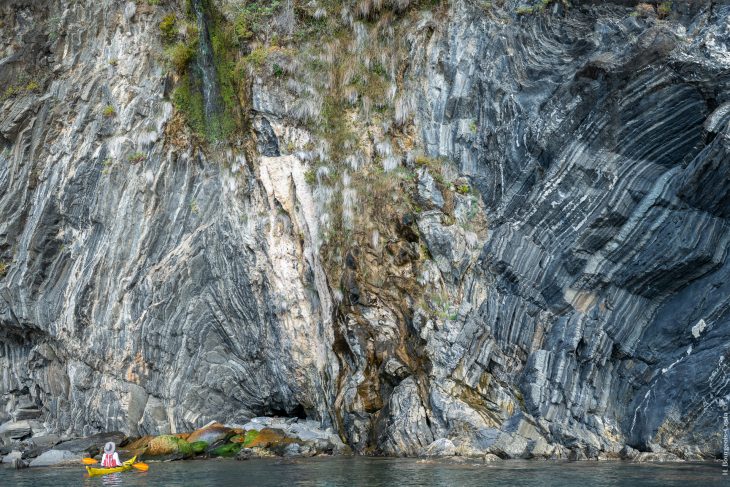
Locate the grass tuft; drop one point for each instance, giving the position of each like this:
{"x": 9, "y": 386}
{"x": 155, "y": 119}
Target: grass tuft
{"x": 136, "y": 158}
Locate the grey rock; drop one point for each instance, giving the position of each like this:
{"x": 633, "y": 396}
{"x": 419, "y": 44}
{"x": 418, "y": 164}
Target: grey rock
{"x": 130, "y": 9}
{"x": 442, "y": 447}
{"x": 511, "y": 445}
{"x": 447, "y": 244}
{"x": 661, "y": 457}
{"x": 15, "y": 429}
{"x": 628, "y": 453}
{"x": 577, "y": 454}
{"x": 12, "y": 456}
{"x": 268, "y": 144}
{"x": 407, "y": 432}
{"x": 428, "y": 191}
{"x": 24, "y": 402}
{"x": 310, "y": 437}
{"x": 245, "y": 454}
{"x": 44, "y": 442}
{"x": 20, "y": 414}
{"x": 91, "y": 444}
{"x": 56, "y": 457}
{"x": 310, "y": 451}
{"x": 292, "y": 450}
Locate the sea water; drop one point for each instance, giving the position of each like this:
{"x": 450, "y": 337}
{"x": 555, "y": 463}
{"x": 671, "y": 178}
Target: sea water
{"x": 377, "y": 472}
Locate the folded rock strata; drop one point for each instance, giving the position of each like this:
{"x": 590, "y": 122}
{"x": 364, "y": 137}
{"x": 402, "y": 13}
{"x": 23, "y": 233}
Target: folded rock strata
{"x": 561, "y": 292}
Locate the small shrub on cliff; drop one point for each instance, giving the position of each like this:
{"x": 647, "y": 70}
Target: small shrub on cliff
{"x": 524, "y": 10}
{"x": 310, "y": 177}
{"x": 20, "y": 89}
{"x": 188, "y": 100}
{"x": 168, "y": 27}
{"x": 241, "y": 27}
{"x": 257, "y": 57}
{"x": 442, "y": 306}
{"x": 107, "y": 163}
{"x": 180, "y": 55}
{"x": 643, "y": 10}
{"x": 54, "y": 27}
{"x": 3, "y": 268}
{"x": 252, "y": 19}
{"x": 422, "y": 160}
{"x": 10, "y": 91}
{"x": 109, "y": 111}
{"x": 136, "y": 158}
{"x": 664, "y": 9}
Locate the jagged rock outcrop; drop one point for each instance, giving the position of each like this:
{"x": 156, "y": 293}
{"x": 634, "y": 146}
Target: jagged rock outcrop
{"x": 531, "y": 257}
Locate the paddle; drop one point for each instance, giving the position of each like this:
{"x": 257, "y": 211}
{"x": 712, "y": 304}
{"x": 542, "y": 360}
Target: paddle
{"x": 141, "y": 466}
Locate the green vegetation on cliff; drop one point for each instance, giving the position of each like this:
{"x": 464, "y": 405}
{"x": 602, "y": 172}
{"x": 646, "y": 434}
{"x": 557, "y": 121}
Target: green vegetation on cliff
{"x": 180, "y": 35}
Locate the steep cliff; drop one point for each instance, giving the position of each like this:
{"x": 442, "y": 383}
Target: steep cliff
{"x": 436, "y": 227}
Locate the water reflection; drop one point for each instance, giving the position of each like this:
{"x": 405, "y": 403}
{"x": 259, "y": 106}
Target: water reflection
{"x": 112, "y": 480}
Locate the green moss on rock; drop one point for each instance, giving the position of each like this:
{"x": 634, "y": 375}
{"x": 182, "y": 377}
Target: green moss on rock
{"x": 227, "y": 450}
{"x": 188, "y": 99}
{"x": 267, "y": 438}
{"x": 168, "y": 445}
{"x": 250, "y": 437}
{"x": 198, "y": 447}
{"x": 168, "y": 27}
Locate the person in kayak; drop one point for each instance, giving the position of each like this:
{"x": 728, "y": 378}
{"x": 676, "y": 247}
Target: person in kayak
{"x": 110, "y": 457}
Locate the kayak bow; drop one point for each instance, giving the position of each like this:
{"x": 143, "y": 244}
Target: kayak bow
{"x": 93, "y": 471}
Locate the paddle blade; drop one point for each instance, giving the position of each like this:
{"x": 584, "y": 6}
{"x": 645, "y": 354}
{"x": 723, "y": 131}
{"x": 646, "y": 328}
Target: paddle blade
{"x": 88, "y": 461}
{"x": 141, "y": 466}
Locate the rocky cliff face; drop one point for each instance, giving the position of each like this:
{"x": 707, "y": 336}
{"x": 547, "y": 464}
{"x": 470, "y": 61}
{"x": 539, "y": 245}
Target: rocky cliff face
{"x": 460, "y": 227}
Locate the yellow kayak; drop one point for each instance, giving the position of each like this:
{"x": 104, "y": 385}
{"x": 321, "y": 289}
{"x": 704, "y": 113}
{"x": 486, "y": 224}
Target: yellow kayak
{"x": 105, "y": 471}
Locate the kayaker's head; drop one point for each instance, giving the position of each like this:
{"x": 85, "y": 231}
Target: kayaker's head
{"x": 109, "y": 448}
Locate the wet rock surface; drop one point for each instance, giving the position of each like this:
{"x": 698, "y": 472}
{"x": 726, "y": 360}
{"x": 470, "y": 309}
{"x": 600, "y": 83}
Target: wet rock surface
{"x": 563, "y": 294}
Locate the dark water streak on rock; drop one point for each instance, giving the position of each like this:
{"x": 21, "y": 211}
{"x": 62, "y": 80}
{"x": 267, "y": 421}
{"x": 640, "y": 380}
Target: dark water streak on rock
{"x": 205, "y": 64}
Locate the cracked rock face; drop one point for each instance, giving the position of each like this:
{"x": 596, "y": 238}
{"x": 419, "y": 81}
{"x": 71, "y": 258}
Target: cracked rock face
{"x": 579, "y": 271}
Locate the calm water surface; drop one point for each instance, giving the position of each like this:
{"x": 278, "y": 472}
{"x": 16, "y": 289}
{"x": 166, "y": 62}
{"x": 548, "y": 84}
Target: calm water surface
{"x": 377, "y": 472}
